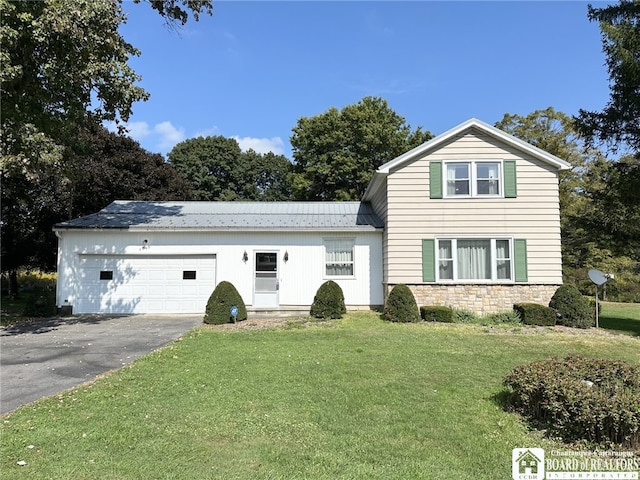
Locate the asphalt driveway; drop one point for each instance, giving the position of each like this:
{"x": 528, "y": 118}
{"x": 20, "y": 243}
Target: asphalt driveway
{"x": 48, "y": 357}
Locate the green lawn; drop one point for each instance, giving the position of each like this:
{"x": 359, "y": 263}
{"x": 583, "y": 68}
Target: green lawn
{"x": 357, "y": 398}
{"x": 623, "y": 317}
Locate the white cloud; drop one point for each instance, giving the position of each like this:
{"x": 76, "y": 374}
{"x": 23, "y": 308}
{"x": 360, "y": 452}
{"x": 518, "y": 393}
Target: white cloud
{"x": 138, "y": 130}
{"x": 207, "y": 132}
{"x": 261, "y": 145}
{"x": 168, "y": 135}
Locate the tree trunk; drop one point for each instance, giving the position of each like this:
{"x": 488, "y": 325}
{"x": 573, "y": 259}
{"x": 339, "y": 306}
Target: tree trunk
{"x": 13, "y": 283}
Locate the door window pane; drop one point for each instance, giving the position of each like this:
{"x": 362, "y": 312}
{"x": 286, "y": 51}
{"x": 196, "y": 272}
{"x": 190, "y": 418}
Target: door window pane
{"x": 266, "y": 262}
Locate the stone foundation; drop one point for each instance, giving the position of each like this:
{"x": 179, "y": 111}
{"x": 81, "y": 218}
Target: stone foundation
{"x": 481, "y": 299}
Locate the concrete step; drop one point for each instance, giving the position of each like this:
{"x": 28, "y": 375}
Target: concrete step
{"x": 277, "y": 312}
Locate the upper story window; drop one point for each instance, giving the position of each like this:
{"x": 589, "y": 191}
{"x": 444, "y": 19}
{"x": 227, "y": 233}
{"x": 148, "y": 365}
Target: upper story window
{"x": 339, "y": 257}
{"x": 473, "y": 179}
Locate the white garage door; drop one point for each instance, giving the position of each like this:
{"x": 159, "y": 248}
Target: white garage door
{"x": 145, "y": 284}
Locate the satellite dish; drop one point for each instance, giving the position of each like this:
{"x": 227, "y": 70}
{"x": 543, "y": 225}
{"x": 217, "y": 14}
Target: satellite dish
{"x": 597, "y": 277}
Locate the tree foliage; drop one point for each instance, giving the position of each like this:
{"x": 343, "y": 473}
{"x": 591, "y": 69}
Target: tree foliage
{"x": 599, "y": 211}
{"x": 107, "y": 166}
{"x": 64, "y": 67}
{"x": 337, "y": 152}
{"x": 618, "y": 124}
{"x": 217, "y": 169}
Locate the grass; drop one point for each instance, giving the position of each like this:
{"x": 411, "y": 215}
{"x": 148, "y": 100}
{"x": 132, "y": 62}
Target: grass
{"x": 357, "y": 398}
{"x": 622, "y": 317}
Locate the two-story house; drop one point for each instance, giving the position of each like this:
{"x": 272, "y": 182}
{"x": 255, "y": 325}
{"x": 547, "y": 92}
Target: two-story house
{"x": 469, "y": 219}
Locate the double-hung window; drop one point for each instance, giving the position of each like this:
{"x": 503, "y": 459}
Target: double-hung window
{"x": 474, "y": 259}
{"x": 339, "y": 257}
{"x": 473, "y": 179}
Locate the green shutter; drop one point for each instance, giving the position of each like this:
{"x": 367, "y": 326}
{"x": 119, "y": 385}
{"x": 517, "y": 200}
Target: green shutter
{"x": 520, "y": 260}
{"x": 435, "y": 179}
{"x": 510, "y": 184}
{"x": 429, "y": 260}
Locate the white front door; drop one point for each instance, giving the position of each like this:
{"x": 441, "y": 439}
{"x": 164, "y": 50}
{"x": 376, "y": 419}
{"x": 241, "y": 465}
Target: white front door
{"x": 266, "y": 285}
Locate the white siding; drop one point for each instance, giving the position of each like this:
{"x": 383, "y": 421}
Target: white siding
{"x": 299, "y": 277}
{"x": 412, "y": 216}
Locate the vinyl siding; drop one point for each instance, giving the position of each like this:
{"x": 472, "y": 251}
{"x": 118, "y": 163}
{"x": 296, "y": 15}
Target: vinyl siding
{"x": 379, "y": 204}
{"x": 412, "y": 216}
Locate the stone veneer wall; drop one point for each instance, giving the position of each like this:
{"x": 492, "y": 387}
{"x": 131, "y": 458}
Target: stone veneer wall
{"x": 481, "y": 299}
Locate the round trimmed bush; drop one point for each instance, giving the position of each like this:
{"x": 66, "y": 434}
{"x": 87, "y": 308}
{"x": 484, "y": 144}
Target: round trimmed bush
{"x": 573, "y": 308}
{"x": 328, "y": 301}
{"x": 218, "y": 310}
{"x": 401, "y": 305}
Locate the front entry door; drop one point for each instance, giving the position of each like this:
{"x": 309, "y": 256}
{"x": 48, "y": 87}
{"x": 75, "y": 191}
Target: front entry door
{"x": 266, "y": 280}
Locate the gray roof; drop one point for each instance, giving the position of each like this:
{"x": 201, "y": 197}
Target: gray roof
{"x": 346, "y": 216}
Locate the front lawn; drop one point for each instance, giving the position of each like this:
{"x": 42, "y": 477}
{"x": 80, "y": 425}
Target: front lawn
{"x": 357, "y": 398}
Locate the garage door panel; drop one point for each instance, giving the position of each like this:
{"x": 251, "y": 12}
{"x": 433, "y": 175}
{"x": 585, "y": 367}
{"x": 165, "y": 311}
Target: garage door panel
{"x": 150, "y": 284}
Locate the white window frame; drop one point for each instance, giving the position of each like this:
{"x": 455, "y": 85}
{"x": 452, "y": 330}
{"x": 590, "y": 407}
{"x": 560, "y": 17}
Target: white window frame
{"x": 473, "y": 178}
{"x": 493, "y": 258}
{"x": 335, "y": 240}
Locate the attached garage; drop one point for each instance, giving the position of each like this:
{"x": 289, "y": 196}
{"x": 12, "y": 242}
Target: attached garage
{"x": 137, "y": 257}
{"x": 145, "y": 283}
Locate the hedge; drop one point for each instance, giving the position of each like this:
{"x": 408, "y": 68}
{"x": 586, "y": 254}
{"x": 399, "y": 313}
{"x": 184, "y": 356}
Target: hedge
{"x": 535, "y": 314}
{"x": 437, "y": 314}
{"x": 580, "y": 399}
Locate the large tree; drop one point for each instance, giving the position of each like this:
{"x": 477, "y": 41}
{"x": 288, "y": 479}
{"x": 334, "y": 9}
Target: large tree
{"x": 64, "y": 66}
{"x": 217, "y": 169}
{"x": 618, "y": 124}
{"x": 107, "y": 166}
{"x": 337, "y": 152}
{"x": 617, "y": 199}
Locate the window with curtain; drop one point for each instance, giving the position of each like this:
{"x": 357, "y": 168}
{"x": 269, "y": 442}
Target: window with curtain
{"x": 458, "y": 179}
{"x": 473, "y": 179}
{"x": 474, "y": 259}
{"x": 339, "y": 258}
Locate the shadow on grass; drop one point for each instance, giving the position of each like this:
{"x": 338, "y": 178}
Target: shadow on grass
{"x": 621, "y": 324}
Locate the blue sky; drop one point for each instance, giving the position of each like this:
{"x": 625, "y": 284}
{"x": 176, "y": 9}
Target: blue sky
{"x": 253, "y": 69}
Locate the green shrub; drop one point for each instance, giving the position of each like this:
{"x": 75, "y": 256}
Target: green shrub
{"x": 573, "y": 308}
{"x": 401, "y": 305}
{"x": 509, "y": 316}
{"x": 437, "y": 314}
{"x": 535, "y": 314}
{"x": 218, "y": 310}
{"x": 328, "y": 301}
{"x": 577, "y": 398}
{"x": 464, "y": 316}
